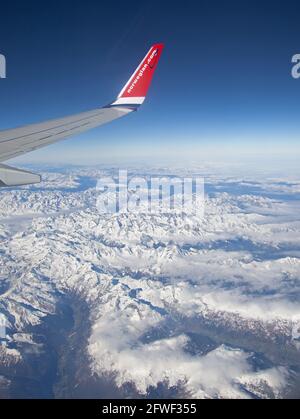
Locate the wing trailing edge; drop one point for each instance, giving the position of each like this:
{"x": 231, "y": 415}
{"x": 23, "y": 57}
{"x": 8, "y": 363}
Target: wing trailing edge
{"x": 10, "y": 176}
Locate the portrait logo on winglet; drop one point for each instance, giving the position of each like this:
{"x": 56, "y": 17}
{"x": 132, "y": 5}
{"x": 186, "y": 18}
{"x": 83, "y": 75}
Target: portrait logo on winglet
{"x": 154, "y": 61}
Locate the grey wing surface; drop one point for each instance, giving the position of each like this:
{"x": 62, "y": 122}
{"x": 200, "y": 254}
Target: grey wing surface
{"x": 18, "y": 141}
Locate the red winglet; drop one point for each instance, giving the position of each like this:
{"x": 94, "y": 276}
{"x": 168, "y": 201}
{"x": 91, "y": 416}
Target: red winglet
{"x": 136, "y": 88}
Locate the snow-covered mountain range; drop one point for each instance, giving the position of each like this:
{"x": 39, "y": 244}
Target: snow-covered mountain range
{"x": 150, "y": 304}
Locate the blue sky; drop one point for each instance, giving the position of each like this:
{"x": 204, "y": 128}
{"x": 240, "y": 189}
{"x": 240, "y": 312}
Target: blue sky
{"x": 223, "y": 86}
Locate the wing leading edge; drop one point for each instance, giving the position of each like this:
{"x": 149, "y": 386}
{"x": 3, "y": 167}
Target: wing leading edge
{"x": 18, "y": 141}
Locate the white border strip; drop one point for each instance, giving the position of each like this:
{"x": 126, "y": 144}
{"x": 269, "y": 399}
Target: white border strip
{"x": 129, "y": 101}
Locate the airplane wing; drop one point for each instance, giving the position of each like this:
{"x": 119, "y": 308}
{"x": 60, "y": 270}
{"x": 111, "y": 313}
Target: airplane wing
{"x": 18, "y": 141}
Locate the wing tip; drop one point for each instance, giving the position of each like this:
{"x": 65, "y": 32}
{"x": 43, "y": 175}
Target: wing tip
{"x": 135, "y": 90}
